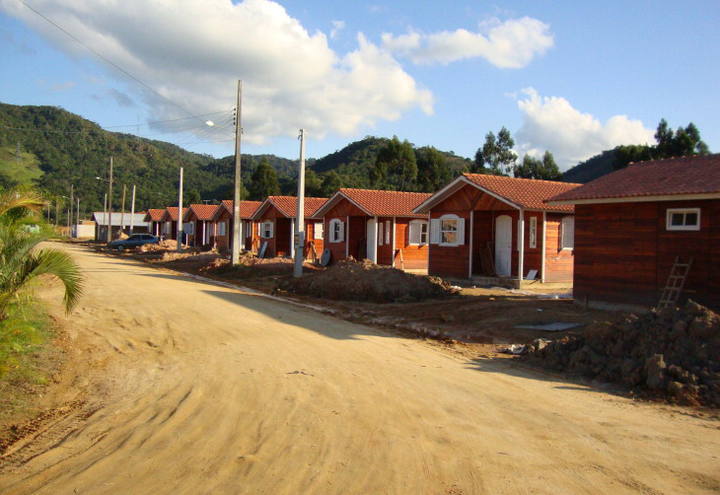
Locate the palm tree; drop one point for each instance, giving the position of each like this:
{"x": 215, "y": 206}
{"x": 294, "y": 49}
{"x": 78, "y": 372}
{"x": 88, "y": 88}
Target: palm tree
{"x": 21, "y": 262}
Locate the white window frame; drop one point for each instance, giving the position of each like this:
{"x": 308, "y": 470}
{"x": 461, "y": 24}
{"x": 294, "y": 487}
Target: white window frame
{"x": 415, "y": 236}
{"x": 318, "y": 230}
{"x": 684, "y": 211}
{"x": 565, "y": 242}
{"x": 336, "y": 230}
{"x": 267, "y": 229}
{"x": 221, "y": 229}
{"x": 459, "y": 230}
{"x": 189, "y": 228}
{"x": 532, "y": 233}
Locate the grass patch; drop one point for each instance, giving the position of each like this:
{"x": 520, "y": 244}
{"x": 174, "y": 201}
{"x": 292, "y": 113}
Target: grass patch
{"x": 27, "y": 356}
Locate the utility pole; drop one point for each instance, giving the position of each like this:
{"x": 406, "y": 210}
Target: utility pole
{"x": 122, "y": 210}
{"x": 57, "y": 210}
{"x": 109, "y": 202}
{"x": 300, "y": 220}
{"x": 77, "y": 212}
{"x": 235, "y": 258}
{"x": 70, "y": 209}
{"x": 180, "y": 212}
{"x": 132, "y": 211}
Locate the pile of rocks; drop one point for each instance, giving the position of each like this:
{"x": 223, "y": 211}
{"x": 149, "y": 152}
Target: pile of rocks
{"x": 671, "y": 353}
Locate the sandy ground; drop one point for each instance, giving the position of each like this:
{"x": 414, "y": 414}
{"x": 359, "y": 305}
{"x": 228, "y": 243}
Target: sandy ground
{"x": 193, "y": 388}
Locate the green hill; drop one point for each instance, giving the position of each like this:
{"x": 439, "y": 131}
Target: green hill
{"x": 592, "y": 168}
{"x": 51, "y": 149}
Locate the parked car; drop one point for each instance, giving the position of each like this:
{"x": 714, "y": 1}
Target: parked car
{"x": 134, "y": 241}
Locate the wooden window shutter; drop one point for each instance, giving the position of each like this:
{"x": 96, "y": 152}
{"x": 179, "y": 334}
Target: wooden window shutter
{"x": 435, "y": 231}
{"x": 461, "y": 231}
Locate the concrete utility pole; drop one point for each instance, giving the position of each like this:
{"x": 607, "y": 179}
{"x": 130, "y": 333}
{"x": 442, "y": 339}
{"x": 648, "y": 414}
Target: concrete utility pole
{"x": 57, "y": 211}
{"x": 300, "y": 219}
{"x": 70, "y": 209}
{"x": 180, "y": 212}
{"x": 77, "y": 212}
{"x": 235, "y": 257}
{"x": 109, "y": 196}
{"x": 122, "y": 209}
{"x": 132, "y": 211}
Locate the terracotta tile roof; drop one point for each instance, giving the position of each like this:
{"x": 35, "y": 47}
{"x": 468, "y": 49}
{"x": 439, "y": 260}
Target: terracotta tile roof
{"x": 287, "y": 205}
{"x": 154, "y": 214}
{"x": 202, "y": 211}
{"x": 529, "y": 194}
{"x": 247, "y": 208}
{"x": 386, "y": 203}
{"x": 668, "y": 177}
{"x": 171, "y": 213}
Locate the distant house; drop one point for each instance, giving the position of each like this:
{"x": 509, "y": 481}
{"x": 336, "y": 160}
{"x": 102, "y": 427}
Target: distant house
{"x": 633, "y": 223}
{"x": 170, "y": 220}
{"x": 276, "y": 221}
{"x": 200, "y": 225}
{"x": 154, "y": 219}
{"x": 495, "y": 226}
{"x": 119, "y": 222}
{"x": 377, "y": 225}
{"x": 223, "y": 221}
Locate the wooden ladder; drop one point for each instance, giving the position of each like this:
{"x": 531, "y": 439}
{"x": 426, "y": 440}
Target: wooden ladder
{"x": 675, "y": 283}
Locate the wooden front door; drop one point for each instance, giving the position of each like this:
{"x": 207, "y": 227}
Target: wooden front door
{"x": 503, "y": 245}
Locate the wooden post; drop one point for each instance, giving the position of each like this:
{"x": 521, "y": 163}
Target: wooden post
{"x": 470, "y": 243}
{"x": 521, "y": 246}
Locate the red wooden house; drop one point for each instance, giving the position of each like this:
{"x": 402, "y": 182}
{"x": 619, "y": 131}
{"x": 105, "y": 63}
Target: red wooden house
{"x": 377, "y": 225}
{"x": 154, "y": 218}
{"x": 276, "y": 219}
{"x": 633, "y": 223}
{"x": 199, "y": 220}
{"x": 170, "y": 220}
{"x": 495, "y": 226}
{"x": 223, "y": 225}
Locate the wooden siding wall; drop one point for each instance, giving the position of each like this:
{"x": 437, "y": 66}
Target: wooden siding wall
{"x": 415, "y": 257}
{"x": 623, "y": 252}
{"x": 223, "y": 241}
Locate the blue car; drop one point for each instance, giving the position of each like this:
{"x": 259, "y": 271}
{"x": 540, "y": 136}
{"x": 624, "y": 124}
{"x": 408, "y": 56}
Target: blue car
{"x": 134, "y": 241}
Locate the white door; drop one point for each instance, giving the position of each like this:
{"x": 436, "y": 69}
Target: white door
{"x": 503, "y": 245}
{"x": 371, "y": 240}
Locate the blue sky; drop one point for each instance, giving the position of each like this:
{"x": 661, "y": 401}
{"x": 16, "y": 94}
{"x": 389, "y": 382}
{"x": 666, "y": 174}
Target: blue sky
{"x": 571, "y": 77}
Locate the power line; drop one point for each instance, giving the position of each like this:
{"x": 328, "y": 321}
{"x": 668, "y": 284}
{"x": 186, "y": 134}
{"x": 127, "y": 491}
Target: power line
{"x": 150, "y": 122}
{"x": 107, "y": 60}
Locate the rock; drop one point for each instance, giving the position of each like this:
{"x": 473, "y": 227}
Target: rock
{"x": 655, "y": 371}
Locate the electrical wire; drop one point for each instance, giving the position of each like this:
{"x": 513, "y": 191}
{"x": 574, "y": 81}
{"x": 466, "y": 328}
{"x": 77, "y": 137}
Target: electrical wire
{"x": 107, "y": 60}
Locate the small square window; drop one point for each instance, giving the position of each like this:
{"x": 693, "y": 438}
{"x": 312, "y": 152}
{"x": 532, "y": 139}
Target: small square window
{"x": 683, "y": 219}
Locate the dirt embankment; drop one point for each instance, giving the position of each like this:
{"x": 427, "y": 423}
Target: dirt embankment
{"x": 672, "y": 354}
{"x": 352, "y": 280}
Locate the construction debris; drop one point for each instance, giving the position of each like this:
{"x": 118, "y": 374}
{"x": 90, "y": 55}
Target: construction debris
{"x": 364, "y": 281}
{"x": 670, "y": 353}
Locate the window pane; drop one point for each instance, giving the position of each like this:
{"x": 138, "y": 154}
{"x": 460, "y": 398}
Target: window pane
{"x": 691, "y": 219}
{"x": 449, "y": 225}
{"x": 677, "y": 219}
{"x": 449, "y": 237}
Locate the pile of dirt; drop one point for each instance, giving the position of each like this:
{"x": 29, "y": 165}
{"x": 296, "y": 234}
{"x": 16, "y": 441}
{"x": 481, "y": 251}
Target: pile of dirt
{"x": 166, "y": 245}
{"x": 251, "y": 267}
{"x": 672, "y": 353}
{"x": 364, "y": 281}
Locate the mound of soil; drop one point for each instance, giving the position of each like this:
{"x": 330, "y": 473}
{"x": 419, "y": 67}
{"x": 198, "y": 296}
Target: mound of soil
{"x": 672, "y": 353}
{"x": 166, "y": 245}
{"x": 364, "y": 281}
{"x": 250, "y": 266}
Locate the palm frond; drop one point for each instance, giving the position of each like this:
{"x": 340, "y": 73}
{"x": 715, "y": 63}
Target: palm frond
{"x": 60, "y": 265}
{"x": 15, "y": 200}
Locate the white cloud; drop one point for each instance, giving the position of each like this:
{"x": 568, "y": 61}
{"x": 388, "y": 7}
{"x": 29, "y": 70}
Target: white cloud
{"x": 193, "y": 52}
{"x": 511, "y": 44}
{"x": 551, "y": 123}
{"x": 337, "y": 26}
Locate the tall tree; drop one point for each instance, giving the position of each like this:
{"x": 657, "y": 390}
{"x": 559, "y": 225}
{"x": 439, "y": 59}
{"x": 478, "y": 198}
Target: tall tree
{"x": 313, "y": 183}
{"x": 535, "y": 168}
{"x": 433, "y": 169}
{"x": 496, "y": 155}
{"x": 331, "y": 183}
{"x": 264, "y": 181}
{"x": 395, "y": 166}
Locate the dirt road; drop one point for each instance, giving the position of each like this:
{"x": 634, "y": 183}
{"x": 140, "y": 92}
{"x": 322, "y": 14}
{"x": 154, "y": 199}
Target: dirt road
{"x": 199, "y": 389}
